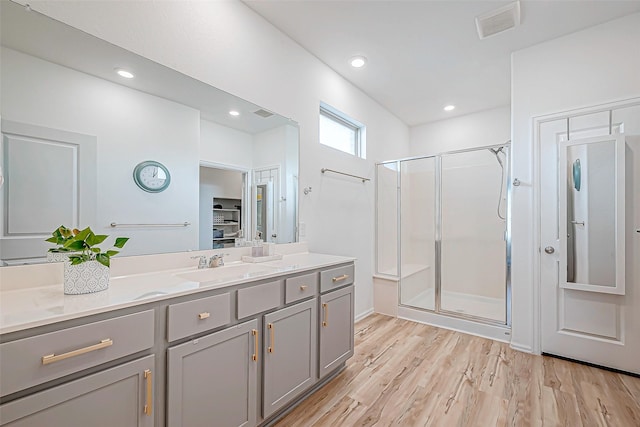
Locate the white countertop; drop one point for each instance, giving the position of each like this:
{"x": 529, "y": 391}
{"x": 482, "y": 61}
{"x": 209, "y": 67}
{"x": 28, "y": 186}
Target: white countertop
{"x": 36, "y": 306}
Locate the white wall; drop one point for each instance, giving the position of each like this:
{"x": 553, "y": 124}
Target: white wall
{"x": 489, "y": 127}
{"x": 222, "y": 145}
{"x": 231, "y": 47}
{"x": 215, "y": 183}
{"x": 130, "y": 127}
{"x": 279, "y": 147}
{"x": 595, "y": 66}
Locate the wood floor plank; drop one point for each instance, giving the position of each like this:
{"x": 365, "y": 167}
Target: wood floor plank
{"x": 409, "y": 374}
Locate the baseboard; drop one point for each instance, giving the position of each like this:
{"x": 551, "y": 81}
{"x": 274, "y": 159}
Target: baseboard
{"x": 521, "y": 347}
{"x": 361, "y": 316}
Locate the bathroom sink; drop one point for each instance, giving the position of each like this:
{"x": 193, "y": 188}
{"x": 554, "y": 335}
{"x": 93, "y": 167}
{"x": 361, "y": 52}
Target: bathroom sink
{"x": 227, "y": 272}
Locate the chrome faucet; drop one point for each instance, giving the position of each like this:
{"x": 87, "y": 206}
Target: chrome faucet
{"x": 217, "y": 260}
{"x": 202, "y": 261}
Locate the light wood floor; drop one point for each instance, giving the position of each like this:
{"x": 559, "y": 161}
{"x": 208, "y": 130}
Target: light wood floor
{"x": 408, "y": 374}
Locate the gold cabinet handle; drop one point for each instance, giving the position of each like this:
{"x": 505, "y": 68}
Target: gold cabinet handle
{"x": 204, "y": 315}
{"x": 325, "y": 307}
{"x": 303, "y": 287}
{"x": 148, "y": 407}
{"x": 340, "y": 278}
{"x": 272, "y": 338}
{"x": 51, "y": 358}
{"x": 254, "y": 332}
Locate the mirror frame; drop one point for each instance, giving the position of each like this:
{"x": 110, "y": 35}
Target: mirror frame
{"x": 617, "y": 288}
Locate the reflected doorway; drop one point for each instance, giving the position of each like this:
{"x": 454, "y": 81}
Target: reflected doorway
{"x": 222, "y": 201}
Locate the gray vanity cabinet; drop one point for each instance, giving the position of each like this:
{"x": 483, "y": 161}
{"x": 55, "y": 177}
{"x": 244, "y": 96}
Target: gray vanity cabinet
{"x": 336, "y": 329}
{"x": 212, "y": 380}
{"x": 120, "y": 396}
{"x": 290, "y": 351}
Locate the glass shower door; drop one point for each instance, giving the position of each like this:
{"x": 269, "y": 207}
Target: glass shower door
{"x": 473, "y": 239}
{"x": 418, "y": 228}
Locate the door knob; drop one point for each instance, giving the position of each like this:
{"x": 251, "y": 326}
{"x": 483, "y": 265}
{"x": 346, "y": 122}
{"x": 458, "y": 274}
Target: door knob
{"x": 549, "y": 249}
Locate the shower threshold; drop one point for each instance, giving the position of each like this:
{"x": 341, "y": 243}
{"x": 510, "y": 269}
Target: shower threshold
{"x": 491, "y": 309}
{"x": 460, "y": 322}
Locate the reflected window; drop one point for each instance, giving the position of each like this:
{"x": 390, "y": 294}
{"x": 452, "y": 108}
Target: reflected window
{"x": 341, "y": 132}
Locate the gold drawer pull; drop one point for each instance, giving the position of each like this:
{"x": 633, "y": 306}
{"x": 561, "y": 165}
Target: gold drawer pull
{"x": 272, "y": 338}
{"x": 204, "y": 315}
{"x": 50, "y": 358}
{"x": 303, "y": 287}
{"x": 340, "y": 278}
{"x": 325, "y": 307}
{"x": 254, "y": 332}
{"x": 148, "y": 407}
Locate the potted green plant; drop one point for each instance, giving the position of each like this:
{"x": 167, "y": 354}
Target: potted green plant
{"x": 86, "y": 266}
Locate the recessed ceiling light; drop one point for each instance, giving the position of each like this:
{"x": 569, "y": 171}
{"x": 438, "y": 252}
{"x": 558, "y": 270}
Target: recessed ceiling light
{"x": 234, "y": 113}
{"x": 358, "y": 61}
{"x": 124, "y": 73}
{"x": 449, "y": 108}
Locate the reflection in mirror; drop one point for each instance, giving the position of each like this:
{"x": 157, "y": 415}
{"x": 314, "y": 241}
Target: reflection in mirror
{"x": 222, "y": 197}
{"x": 73, "y": 131}
{"x": 591, "y": 214}
{"x": 594, "y": 217}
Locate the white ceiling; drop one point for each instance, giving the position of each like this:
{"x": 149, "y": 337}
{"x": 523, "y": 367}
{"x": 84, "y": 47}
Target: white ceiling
{"x": 423, "y": 55}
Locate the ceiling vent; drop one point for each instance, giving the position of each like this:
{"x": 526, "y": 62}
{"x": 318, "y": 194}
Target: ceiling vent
{"x": 263, "y": 113}
{"x": 498, "y": 20}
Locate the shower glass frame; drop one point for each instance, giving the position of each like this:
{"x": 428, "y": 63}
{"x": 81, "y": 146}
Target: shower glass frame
{"x": 438, "y": 233}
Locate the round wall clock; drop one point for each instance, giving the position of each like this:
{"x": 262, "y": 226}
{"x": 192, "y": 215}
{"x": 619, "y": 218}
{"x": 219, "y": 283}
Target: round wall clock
{"x": 151, "y": 176}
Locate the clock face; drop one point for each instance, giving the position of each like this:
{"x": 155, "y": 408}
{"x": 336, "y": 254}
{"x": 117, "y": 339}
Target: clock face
{"x": 151, "y": 176}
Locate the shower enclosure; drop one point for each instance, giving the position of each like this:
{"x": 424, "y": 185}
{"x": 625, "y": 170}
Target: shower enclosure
{"x": 443, "y": 232}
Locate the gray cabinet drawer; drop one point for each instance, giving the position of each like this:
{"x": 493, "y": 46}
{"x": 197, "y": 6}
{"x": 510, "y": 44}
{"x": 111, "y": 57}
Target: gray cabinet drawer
{"x": 30, "y": 361}
{"x": 336, "y": 278}
{"x": 256, "y": 299}
{"x": 300, "y": 287}
{"x": 192, "y": 317}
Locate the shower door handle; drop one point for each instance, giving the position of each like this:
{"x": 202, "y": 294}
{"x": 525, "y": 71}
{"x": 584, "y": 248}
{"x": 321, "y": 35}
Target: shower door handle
{"x": 549, "y": 250}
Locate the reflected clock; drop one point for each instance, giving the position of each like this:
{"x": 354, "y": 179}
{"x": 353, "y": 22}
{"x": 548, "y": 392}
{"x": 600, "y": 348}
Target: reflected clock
{"x": 152, "y": 176}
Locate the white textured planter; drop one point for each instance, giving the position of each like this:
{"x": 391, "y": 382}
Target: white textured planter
{"x": 85, "y": 278}
{"x": 58, "y": 256}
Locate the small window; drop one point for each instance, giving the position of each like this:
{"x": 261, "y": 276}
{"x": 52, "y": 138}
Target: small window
{"x": 341, "y": 132}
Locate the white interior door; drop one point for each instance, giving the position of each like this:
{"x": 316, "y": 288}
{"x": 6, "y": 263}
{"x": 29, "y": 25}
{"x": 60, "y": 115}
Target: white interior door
{"x": 49, "y": 180}
{"x": 590, "y": 211}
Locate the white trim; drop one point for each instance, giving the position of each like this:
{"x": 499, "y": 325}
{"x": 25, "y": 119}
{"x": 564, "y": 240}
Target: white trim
{"x": 536, "y": 121}
{"x": 216, "y": 165}
{"x": 493, "y": 332}
{"x": 580, "y": 111}
{"x": 522, "y": 348}
{"x": 363, "y": 315}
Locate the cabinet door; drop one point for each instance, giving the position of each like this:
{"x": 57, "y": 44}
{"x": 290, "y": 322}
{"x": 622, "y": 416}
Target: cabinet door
{"x": 212, "y": 381}
{"x": 114, "y": 397}
{"x": 290, "y": 354}
{"x": 336, "y": 329}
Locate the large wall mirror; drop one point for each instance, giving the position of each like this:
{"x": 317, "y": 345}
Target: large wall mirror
{"x": 592, "y": 214}
{"x": 74, "y": 128}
